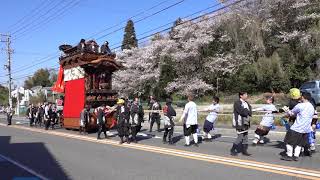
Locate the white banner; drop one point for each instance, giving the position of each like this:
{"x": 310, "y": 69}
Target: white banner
{"x": 73, "y": 73}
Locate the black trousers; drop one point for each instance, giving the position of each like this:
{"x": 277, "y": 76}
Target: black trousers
{"x": 9, "y": 118}
{"x": 38, "y": 121}
{"x": 167, "y": 132}
{"x": 102, "y": 128}
{"x": 123, "y": 130}
{"x": 53, "y": 122}
{"x": 31, "y": 121}
{"x": 242, "y": 138}
{"x": 153, "y": 120}
{"x": 134, "y": 132}
{"x": 47, "y": 123}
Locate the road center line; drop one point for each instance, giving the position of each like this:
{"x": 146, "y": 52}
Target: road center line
{"x": 266, "y": 167}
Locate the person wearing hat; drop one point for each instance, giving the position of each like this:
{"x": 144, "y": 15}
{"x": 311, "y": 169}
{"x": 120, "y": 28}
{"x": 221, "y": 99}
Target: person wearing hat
{"x": 101, "y": 122}
{"x": 123, "y": 116}
{"x": 295, "y": 95}
{"x": 297, "y": 136}
{"x": 169, "y": 114}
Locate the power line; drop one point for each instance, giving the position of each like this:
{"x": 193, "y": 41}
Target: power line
{"x": 40, "y": 62}
{"x": 58, "y": 13}
{"x": 30, "y": 15}
{"x": 166, "y": 29}
{"x": 168, "y": 7}
{"x": 142, "y": 19}
{"x": 39, "y": 17}
{"x": 29, "y": 75}
{"x": 195, "y": 18}
{"x": 170, "y": 23}
{"x": 125, "y": 20}
{"x": 27, "y": 52}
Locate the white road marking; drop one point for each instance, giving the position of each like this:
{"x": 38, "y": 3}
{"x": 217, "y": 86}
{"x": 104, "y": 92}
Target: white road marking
{"x": 23, "y": 167}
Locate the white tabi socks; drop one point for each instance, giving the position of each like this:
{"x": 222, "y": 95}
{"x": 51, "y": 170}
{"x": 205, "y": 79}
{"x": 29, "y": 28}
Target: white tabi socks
{"x": 195, "y": 137}
{"x": 187, "y": 140}
{"x": 297, "y": 151}
{"x": 289, "y": 150}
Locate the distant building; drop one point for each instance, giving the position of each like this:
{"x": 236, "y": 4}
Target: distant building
{"x": 24, "y": 95}
{"x": 47, "y": 91}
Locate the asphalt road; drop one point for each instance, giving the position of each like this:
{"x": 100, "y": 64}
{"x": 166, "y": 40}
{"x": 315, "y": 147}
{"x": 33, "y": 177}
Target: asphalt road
{"x": 61, "y": 154}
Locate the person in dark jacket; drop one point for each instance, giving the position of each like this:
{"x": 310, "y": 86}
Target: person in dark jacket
{"x": 150, "y": 103}
{"x": 84, "y": 120}
{"x": 31, "y": 114}
{"x": 241, "y": 122}
{"x": 123, "y": 116}
{"x": 48, "y": 115}
{"x": 169, "y": 115}
{"x": 81, "y": 47}
{"x": 101, "y": 122}
{"x": 136, "y": 118}
{"x": 155, "y": 115}
{"x": 104, "y": 49}
{"x": 39, "y": 115}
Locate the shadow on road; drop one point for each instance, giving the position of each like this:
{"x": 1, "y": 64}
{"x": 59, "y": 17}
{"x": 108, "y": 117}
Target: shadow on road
{"x": 33, "y": 155}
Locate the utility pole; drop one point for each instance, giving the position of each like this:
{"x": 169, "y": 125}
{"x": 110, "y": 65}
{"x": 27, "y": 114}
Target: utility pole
{"x": 18, "y": 101}
{"x": 7, "y": 39}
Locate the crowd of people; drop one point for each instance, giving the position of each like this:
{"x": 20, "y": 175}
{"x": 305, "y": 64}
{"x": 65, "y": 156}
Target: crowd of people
{"x": 46, "y": 114}
{"x": 92, "y": 46}
{"x": 301, "y": 124}
{"x": 129, "y": 116}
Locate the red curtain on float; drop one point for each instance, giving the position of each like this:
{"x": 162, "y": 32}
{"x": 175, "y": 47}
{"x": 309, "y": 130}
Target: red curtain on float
{"x": 74, "y": 98}
{"x": 59, "y": 84}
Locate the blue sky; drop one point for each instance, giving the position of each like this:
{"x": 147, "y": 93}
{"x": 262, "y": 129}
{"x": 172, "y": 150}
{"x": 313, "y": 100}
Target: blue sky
{"x": 84, "y": 19}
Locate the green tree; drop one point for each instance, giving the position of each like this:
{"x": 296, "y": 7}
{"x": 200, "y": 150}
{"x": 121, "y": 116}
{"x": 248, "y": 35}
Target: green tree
{"x": 270, "y": 74}
{"x": 4, "y": 95}
{"x": 41, "y": 77}
{"x": 167, "y": 74}
{"x": 39, "y": 98}
{"x": 129, "y": 38}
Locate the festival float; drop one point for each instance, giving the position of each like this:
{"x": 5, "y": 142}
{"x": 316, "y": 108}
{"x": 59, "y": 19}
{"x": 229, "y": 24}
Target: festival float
{"x": 85, "y": 78}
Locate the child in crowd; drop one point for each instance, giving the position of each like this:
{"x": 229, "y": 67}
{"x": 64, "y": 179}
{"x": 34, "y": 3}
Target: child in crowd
{"x": 213, "y": 110}
{"x": 266, "y": 122}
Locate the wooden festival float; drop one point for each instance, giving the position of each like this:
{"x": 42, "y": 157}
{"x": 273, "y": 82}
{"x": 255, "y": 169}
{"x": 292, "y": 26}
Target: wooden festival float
{"x": 85, "y": 78}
